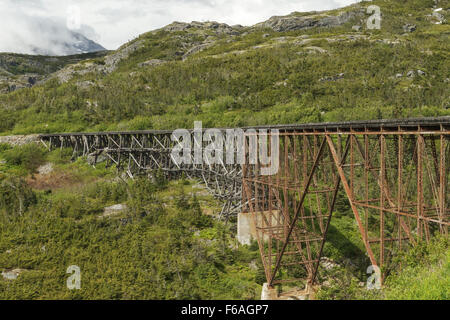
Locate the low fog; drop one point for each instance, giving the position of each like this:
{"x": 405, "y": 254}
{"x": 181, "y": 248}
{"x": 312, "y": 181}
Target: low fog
{"x": 41, "y": 27}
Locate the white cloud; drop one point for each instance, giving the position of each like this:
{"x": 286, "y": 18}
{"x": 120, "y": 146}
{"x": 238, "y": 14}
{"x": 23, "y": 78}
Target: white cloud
{"x": 117, "y": 21}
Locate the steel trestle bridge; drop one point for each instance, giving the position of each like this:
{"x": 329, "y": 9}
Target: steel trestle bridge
{"x": 392, "y": 174}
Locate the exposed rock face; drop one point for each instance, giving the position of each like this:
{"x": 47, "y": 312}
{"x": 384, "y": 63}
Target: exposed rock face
{"x": 19, "y": 140}
{"x": 110, "y": 63}
{"x": 18, "y": 71}
{"x": 13, "y": 83}
{"x": 196, "y": 49}
{"x": 218, "y": 28}
{"x": 112, "y": 60}
{"x": 294, "y": 22}
{"x": 152, "y": 63}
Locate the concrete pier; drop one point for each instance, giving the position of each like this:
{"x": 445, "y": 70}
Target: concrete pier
{"x": 246, "y": 229}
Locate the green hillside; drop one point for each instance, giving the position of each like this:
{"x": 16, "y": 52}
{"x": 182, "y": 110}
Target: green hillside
{"x": 18, "y": 71}
{"x": 252, "y": 75}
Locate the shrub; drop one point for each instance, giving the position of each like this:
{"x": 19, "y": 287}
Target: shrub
{"x": 15, "y": 196}
{"x": 29, "y": 156}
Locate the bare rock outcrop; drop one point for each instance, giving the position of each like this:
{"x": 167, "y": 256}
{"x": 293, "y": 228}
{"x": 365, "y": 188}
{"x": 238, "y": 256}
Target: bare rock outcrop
{"x": 297, "y": 22}
{"x": 110, "y": 64}
{"x": 218, "y": 28}
{"x": 19, "y": 140}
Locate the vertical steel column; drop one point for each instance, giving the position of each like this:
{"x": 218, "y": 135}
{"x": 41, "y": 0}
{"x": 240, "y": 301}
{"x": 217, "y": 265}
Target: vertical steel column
{"x": 366, "y": 183}
{"x": 400, "y": 187}
{"x": 420, "y": 150}
{"x": 442, "y": 178}
{"x": 383, "y": 185}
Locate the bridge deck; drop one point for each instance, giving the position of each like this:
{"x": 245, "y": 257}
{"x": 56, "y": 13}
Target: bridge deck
{"x": 414, "y": 124}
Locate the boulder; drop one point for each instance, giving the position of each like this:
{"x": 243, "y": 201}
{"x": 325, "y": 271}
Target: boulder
{"x": 114, "y": 210}
{"x": 12, "y": 274}
{"x": 409, "y": 27}
{"x": 332, "y": 78}
{"x": 151, "y": 63}
{"x": 45, "y": 169}
{"x": 32, "y": 80}
{"x": 438, "y": 16}
{"x": 91, "y": 158}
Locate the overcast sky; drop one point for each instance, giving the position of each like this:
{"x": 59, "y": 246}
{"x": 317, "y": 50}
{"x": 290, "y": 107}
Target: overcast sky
{"x": 113, "y": 22}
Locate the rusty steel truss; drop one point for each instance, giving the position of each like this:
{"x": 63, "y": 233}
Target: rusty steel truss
{"x": 392, "y": 174}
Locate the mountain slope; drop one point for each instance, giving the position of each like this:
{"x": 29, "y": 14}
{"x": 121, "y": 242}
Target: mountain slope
{"x": 46, "y": 36}
{"x": 24, "y": 71}
{"x": 304, "y": 67}
{"x": 77, "y": 44}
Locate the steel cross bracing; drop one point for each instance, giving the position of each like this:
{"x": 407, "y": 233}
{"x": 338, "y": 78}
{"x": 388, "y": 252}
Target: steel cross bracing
{"x": 393, "y": 174}
{"x": 139, "y": 153}
{"x": 394, "y": 177}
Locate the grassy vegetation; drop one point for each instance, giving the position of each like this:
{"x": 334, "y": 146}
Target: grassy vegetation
{"x": 161, "y": 247}
{"x": 277, "y": 83}
{"x": 422, "y": 273}
{"x": 166, "y": 244}
{"x": 18, "y": 64}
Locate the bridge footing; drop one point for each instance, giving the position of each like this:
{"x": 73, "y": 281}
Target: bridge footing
{"x": 246, "y": 229}
{"x": 269, "y": 293}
